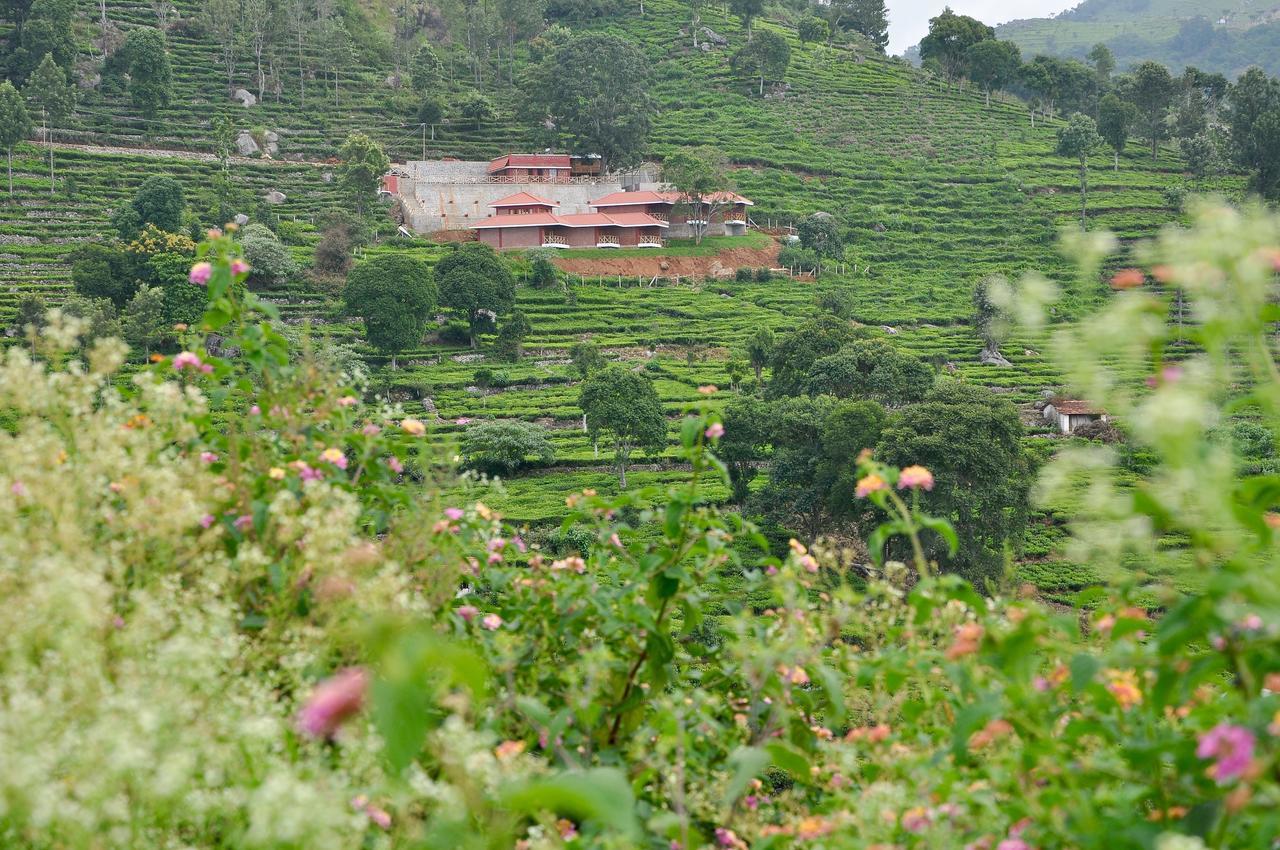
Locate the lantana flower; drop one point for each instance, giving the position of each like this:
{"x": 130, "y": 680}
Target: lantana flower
{"x": 915, "y": 478}
{"x": 1231, "y": 747}
{"x": 200, "y": 273}
{"x": 333, "y": 702}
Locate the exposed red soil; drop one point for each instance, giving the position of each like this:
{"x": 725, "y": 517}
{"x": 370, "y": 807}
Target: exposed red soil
{"x": 720, "y": 265}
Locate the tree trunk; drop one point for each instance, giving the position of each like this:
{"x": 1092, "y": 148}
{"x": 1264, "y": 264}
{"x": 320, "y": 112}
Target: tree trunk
{"x": 762, "y": 85}
{"x": 622, "y": 473}
{"x": 393, "y": 362}
{"x": 1117, "y": 153}
{"x": 988, "y": 97}
{"x": 11, "y": 172}
{"x": 757, "y": 371}
{"x": 1084, "y": 195}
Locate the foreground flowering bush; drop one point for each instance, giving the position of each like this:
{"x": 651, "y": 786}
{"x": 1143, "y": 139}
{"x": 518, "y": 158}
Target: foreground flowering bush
{"x": 236, "y": 615}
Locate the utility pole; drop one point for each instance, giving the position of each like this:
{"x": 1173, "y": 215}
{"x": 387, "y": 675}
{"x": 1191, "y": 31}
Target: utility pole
{"x": 424, "y": 142}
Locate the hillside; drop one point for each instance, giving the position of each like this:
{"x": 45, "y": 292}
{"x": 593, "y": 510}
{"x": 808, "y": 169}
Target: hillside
{"x": 1225, "y": 36}
{"x": 935, "y": 189}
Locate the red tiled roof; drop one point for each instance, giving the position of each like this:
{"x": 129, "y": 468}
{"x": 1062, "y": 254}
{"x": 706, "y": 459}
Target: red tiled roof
{"x": 626, "y": 199}
{"x": 529, "y": 160}
{"x": 634, "y": 219}
{"x": 529, "y": 220}
{"x": 573, "y": 220}
{"x": 1075, "y": 407}
{"x": 523, "y": 199}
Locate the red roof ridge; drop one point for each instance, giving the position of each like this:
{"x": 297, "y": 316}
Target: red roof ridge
{"x": 520, "y": 199}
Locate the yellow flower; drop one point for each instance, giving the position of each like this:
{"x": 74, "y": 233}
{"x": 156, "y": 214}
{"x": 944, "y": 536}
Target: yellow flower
{"x": 1123, "y": 685}
{"x": 413, "y": 427}
{"x": 276, "y": 473}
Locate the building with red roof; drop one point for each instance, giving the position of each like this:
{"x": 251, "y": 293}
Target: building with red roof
{"x": 531, "y": 167}
{"x": 638, "y": 219}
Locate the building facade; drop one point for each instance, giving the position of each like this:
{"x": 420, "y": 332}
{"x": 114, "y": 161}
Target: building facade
{"x": 524, "y": 220}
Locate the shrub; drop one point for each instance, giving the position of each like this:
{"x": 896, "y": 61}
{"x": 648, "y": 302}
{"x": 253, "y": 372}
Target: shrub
{"x": 505, "y": 446}
{"x": 800, "y": 259}
{"x": 455, "y": 333}
{"x": 103, "y": 270}
{"x": 333, "y": 251}
{"x": 270, "y": 263}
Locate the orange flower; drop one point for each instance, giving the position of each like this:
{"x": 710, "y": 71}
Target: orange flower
{"x": 870, "y": 484}
{"x": 1128, "y": 279}
{"x": 968, "y": 639}
{"x": 1123, "y": 685}
{"x": 989, "y": 734}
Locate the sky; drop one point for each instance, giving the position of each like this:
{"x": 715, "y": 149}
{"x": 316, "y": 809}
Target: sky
{"x": 909, "y": 19}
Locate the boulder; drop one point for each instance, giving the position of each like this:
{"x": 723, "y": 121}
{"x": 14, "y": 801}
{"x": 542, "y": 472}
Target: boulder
{"x": 392, "y": 81}
{"x": 327, "y": 177}
{"x": 273, "y": 142}
{"x": 992, "y": 357}
{"x": 246, "y": 144}
{"x": 241, "y": 219}
{"x": 245, "y": 97}
{"x": 275, "y": 196}
{"x": 714, "y": 37}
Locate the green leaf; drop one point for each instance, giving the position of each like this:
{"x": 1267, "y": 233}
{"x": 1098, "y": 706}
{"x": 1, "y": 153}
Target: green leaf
{"x": 1083, "y": 668}
{"x": 747, "y": 763}
{"x": 601, "y": 795}
{"x": 790, "y": 759}
{"x": 833, "y": 684}
{"x": 943, "y": 529}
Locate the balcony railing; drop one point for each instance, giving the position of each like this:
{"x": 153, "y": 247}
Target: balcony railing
{"x": 649, "y": 242}
{"x": 735, "y": 216}
{"x": 554, "y": 240}
{"x": 660, "y": 216}
{"x": 607, "y": 240}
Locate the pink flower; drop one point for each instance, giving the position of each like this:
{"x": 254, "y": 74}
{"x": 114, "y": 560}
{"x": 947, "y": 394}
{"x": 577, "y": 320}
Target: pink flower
{"x": 255, "y": 411}
{"x": 396, "y": 466}
{"x": 207, "y": 520}
{"x": 370, "y": 430}
{"x": 915, "y": 477}
{"x": 462, "y": 420}
{"x": 1013, "y": 844}
{"x": 1231, "y": 747}
{"x": 334, "y": 456}
{"x": 491, "y": 622}
{"x": 347, "y": 401}
{"x": 244, "y": 522}
{"x": 1251, "y": 623}
{"x": 378, "y": 816}
{"x": 916, "y": 820}
{"x": 468, "y": 612}
{"x": 17, "y": 488}
{"x": 200, "y": 274}
{"x": 715, "y": 431}
{"x": 810, "y": 563}
{"x": 332, "y": 702}
{"x": 186, "y": 360}
{"x": 208, "y": 457}
{"x": 453, "y": 513}
{"x": 239, "y": 266}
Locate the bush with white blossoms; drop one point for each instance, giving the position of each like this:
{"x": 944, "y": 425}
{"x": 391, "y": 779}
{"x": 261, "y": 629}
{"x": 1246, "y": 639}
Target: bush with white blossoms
{"x": 236, "y": 614}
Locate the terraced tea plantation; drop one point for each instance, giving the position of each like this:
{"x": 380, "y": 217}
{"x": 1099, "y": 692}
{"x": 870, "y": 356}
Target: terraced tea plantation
{"x": 935, "y": 189}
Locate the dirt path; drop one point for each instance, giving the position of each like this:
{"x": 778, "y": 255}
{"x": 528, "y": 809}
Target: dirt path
{"x": 723, "y": 264}
{"x": 174, "y": 153}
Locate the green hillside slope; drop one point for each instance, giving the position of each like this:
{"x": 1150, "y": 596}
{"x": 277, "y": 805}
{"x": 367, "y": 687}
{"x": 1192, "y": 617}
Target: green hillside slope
{"x": 936, "y": 189}
{"x": 1226, "y": 36}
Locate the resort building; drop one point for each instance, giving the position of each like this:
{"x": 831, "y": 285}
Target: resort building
{"x": 621, "y": 220}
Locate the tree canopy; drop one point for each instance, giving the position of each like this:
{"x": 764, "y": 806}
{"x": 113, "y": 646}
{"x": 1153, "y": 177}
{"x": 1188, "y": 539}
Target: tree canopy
{"x": 150, "y": 73}
{"x": 699, "y": 175}
{"x": 505, "y": 446}
{"x": 160, "y": 200}
{"x": 395, "y": 295}
{"x": 766, "y": 57}
{"x": 623, "y": 406}
{"x": 949, "y": 39}
{"x": 363, "y": 162}
{"x": 476, "y": 284}
{"x": 593, "y": 92}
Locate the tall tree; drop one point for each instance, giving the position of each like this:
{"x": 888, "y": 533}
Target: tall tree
{"x": 1103, "y": 61}
{"x": 701, "y": 178}
{"x": 49, "y": 28}
{"x": 1115, "y": 117}
{"x": 15, "y": 122}
{"x": 624, "y": 406}
{"x": 971, "y": 440}
{"x": 1253, "y": 115}
{"x": 338, "y": 52}
{"x": 426, "y": 71}
{"x": 748, "y": 11}
{"x": 594, "y": 90}
{"x": 221, "y": 20}
{"x": 1077, "y": 140}
{"x": 363, "y": 162}
{"x": 394, "y": 295}
{"x": 160, "y": 201}
{"x": 1151, "y": 89}
{"x": 144, "y": 320}
{"x": 760, "y": 351}
{"x": 47, "y": 89}
{"x": 765, "y": 58}
{"x": 993, "y": 64}
{"x": 949, "y": 39}
{"x": 475, "y": 283}
{"x": 868, "y": 17}
{"x": 150, "y": 73}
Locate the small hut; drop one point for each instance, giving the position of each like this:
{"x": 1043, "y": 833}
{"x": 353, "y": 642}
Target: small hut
{"x": 1069, "y": 414}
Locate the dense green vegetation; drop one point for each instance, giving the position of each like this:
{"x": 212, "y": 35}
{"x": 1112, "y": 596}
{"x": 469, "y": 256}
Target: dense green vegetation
{"x": 1225, "y": 37}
